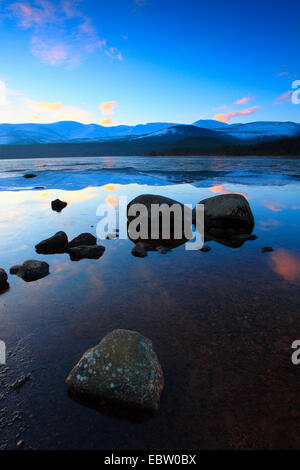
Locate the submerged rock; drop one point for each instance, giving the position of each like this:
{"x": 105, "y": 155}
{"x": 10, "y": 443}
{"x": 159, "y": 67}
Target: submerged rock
{"x": 266, "y": 249}
{"x": 82, "y": 240}
{"x": 53, "y": 244}
{"x": 86, "y": 251}
{"x": 140, "y": 250}
{"x": 227, "y": 214}
{"x": 122, "y": 369}
{"x": 58, "y": 205}
{"x": 3, "y": 277}
{"x": 31, "y": 270}
{"x": 205, "y": 248}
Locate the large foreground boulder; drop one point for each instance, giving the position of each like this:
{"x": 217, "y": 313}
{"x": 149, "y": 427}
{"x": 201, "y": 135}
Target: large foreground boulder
{"x": 227, "y": 214}
{"x": 53, "y": 244}
{"x": 31, "y": 270}
{"x": 122, "y": 369}
{"x": 86, "y": 252}
{"x": 83, "y": 239}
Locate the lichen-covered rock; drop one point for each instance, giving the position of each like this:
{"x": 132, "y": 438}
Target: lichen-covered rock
{"x": 58, "y": 205}
{"x": 52, "y": 244}
{"x": 86, "y": 251}
{"x": 227, "y": 213}
{"x": 31, "y": 270}
{"x": 3, "y": 277}
{"x": 82, "y": 240}
{"x": 122, "y": 369}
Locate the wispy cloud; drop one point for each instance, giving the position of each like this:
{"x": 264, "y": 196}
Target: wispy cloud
{"x": 62, "y": 33}
{"x": 282, "y": 74}
{"x": 107, "y": 107}
{"x": 49, "y": 54}
{"x": 274, "y": 206}
{"x": 140, "y": 3}
{"x": 43, "y": 106}
{"x": 243, "y": 100}
{"x": 58, "y": 111}
{"x": 226, "y": 117}
{"x": 5, "y": 93}
{"x": 285, "y": 97}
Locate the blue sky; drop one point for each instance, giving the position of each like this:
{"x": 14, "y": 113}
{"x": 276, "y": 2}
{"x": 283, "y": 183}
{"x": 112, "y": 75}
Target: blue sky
{"x": 136, "y": 61}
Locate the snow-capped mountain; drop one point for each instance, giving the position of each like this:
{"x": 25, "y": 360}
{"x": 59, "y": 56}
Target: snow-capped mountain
{"x": 182, "y": 131}
{"x": 73, "y": 132}
{"x": 262, "y": 130}
{"x": 210, "y": 124}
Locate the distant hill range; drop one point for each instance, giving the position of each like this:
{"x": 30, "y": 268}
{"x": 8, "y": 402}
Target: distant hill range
{"x": 204, "y": 136}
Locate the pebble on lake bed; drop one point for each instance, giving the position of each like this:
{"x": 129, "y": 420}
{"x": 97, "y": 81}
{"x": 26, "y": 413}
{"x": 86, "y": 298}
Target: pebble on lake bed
{"x": 266, "y": 249}
{"x": 205, "y": 248}
{"x": 122, "y": 369}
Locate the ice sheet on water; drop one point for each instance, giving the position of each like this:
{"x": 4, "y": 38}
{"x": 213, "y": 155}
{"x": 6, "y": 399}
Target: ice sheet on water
{"x": 78, "y": 173}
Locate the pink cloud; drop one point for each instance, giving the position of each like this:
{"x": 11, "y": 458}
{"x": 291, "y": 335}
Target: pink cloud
{"x": 286, "y": 264}
{"x": 29, "y": 16}
{"x": 107, "y": 107}
{"x": 242, "y": 101}
{"x": 113, "y": 53}
{"x": 62, "y": 33}
{"x": 55, "y": 54}
{"x": 274, "y": 206}
{"x": 284, "y": 97}
{"x": 226, "y": 117}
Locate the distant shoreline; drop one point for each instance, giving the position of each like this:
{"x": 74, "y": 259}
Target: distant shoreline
{"x": 191, "y": 147}
{"x": 36, "y": 157}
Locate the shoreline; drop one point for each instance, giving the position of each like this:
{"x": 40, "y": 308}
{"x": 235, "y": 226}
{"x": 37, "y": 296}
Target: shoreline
{"x": 38, "y": 157}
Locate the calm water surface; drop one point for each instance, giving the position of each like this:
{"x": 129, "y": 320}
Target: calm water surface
{"x": 222, "y": 322}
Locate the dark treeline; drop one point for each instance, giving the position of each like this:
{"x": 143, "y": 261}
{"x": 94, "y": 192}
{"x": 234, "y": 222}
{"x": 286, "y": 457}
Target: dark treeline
{"x": 189, "y": 146}
{"x": 287, "y": 146}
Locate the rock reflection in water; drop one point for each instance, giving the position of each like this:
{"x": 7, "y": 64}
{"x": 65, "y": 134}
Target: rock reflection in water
{"x": 113, "y": 410}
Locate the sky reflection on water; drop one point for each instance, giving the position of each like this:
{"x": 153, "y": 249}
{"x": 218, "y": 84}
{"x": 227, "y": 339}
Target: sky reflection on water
{"x": 214, "y": 319}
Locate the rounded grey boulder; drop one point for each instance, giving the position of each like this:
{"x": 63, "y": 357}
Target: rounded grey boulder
{"x": 31, "y": 270}
{"x": 227, "y": 212}
{"x": 52, "y": 244}
{"x": 122, "y": 369}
